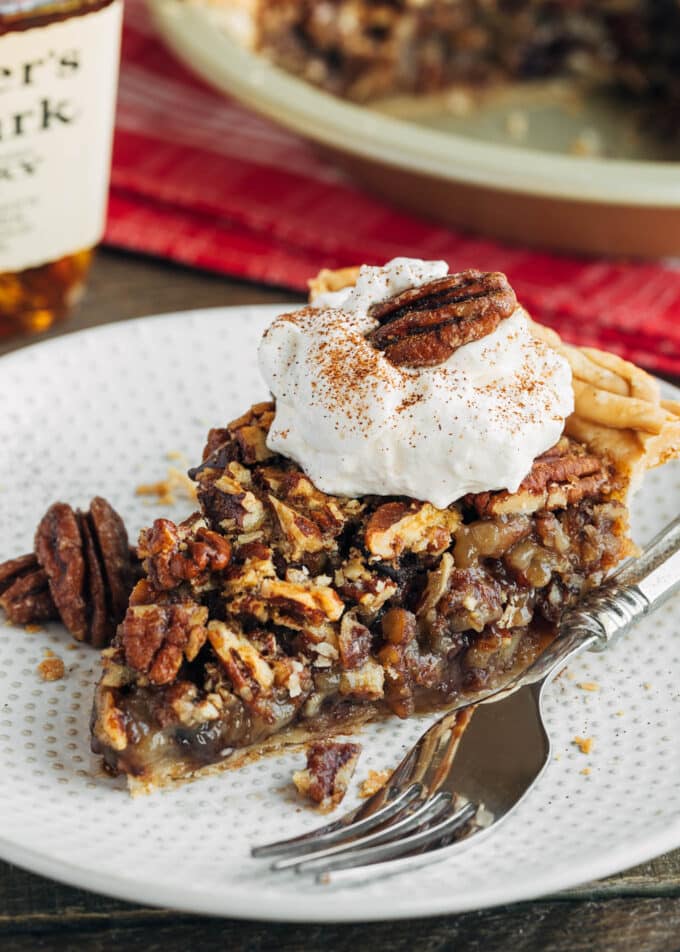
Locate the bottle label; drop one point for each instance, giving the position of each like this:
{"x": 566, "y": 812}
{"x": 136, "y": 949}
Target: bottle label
{"x": 57, "y": 99}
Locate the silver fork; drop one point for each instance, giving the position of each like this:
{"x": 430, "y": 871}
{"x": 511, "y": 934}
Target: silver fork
{"x": 467, "y": 773}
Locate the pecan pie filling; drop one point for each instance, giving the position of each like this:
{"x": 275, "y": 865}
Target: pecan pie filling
{"x": 279, "y": 606}
{"x": 280, "y": 612}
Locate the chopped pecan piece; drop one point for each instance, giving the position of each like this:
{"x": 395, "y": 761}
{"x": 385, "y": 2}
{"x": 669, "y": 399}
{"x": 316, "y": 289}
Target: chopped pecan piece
{"x": 184, "y": 703}
{"x": 249, "y": 672}
{"x": 494, "y": 643}
{"x": 398, "y": 527}
{"x": 354, "y": 642}
{"x": 109, "y": 723}
{"x": 157, "y": 638}
{"x": 424, "y": 326}
{"x": 328, "y": 512}
{"x": 436, "y": 586}
{"x": 406, "y": 667}
{"x": 243, "y": 439}
{"x": 473, "y": 599}
{"x": 364, "y": 683}
{"x": 313, "y": 598}
{"x": 561, "y": 477}
{"x": 399, "y": 629}
{"x": 250, "y": 432}
{"x": 305, "y": 606}
{"x": 329, "y": 770}
{"x": 369, "y": 588}
{"x": 532, "y": 564}
{"x": 252, "y": 565}
{"x": 25, "y": 595}
{"x": 294, "y": 676}
{"x": 488, "y": 539}
{"x": 174, "y": 554}
{"x": 229, "y": 503}
{"x": 300, "y": 535}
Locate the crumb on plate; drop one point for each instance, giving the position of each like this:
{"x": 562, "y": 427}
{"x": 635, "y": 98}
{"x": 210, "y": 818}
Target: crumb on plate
{"x": 327, "y": 775}
{"x": 51, "y": 668}
{"x": 375, "y": 781}
{"x": 167, "y": 490}
{"x": 584, "y": 744}
{"x": 588, "y": 686}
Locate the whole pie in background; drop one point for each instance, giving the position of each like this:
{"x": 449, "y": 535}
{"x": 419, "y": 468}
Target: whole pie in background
{"x": 363, "y": 49}
{"x": 288, "y": 608}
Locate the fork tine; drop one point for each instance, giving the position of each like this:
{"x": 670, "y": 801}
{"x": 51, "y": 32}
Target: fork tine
{"x": 347, "y": 827}
{"x": 427, "y": 812}
{"x": 422, "y": 840}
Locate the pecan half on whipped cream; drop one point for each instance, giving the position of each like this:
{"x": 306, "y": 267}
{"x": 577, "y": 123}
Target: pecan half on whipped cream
{"x": 414, "y": 382}
{"x": 424, "y": 326}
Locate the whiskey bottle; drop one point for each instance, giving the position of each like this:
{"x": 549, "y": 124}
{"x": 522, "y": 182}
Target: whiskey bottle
{"x": 58, "y": 78}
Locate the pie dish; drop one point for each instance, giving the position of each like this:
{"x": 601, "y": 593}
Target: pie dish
{"x": 280, "y": 612}
{"x": 363, "y": 50}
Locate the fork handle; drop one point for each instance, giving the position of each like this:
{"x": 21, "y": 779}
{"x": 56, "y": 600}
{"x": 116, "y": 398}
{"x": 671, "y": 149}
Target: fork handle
{"x": 634, "y": 590}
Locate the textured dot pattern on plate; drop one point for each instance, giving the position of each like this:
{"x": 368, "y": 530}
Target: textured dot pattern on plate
{"x": 98, "y": 412}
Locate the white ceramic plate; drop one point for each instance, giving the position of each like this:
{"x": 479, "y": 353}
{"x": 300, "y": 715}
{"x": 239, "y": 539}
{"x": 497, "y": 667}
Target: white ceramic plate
{"x": 427, "y": 137}
{"x": 98, "y": 412}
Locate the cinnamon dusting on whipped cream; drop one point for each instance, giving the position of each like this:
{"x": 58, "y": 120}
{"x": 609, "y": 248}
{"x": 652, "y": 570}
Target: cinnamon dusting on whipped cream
{"x": 358, "y": 424}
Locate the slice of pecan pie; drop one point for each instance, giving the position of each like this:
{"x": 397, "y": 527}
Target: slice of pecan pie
{"x": 279, "y": 612}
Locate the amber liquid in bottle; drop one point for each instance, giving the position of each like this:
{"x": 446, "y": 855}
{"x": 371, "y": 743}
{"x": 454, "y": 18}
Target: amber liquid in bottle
{"x": 48, "y": 71}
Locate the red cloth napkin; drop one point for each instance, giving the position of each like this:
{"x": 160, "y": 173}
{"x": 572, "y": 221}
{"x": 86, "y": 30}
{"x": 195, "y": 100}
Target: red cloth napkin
{"x": 201, "y": 180}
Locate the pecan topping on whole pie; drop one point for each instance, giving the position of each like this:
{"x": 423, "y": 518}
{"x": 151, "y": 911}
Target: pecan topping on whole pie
{"x": 424, "y": 326}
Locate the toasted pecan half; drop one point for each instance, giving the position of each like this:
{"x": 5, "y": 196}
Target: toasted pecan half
{"x": 424, "y": 326}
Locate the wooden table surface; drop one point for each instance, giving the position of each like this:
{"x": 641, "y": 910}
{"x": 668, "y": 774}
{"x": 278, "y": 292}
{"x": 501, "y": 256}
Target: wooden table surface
{"x": 635, "y": 911}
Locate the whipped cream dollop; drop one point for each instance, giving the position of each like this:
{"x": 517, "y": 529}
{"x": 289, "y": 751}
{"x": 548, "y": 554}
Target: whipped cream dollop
{"x": 357, "y": 424}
